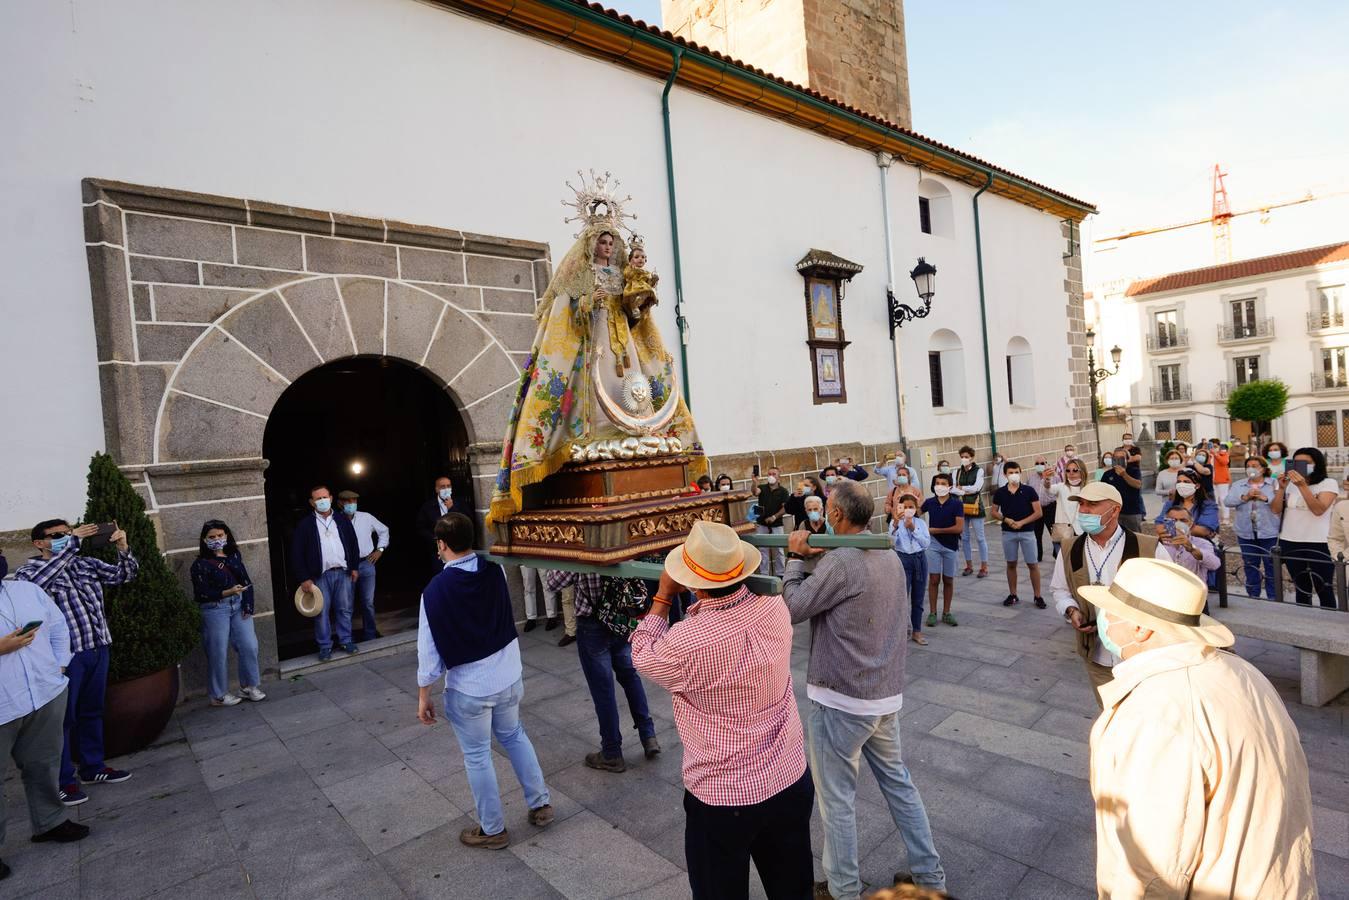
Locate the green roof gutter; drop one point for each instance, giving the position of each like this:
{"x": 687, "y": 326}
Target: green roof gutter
{"x": 680, "y": 321}
{"x": 983, "y": 314}
{"x": 583, "y": 11}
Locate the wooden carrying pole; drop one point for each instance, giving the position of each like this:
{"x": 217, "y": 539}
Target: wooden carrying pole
{"x": 650, "y": 571}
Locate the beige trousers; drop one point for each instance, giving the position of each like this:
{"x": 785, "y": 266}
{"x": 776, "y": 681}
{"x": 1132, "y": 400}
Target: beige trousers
{"x": 1100, "y": 676}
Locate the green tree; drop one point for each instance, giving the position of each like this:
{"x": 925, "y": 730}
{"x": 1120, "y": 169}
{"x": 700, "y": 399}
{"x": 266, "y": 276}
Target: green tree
{"x": 1258, "y": 401}
{"x": 153, "y": 623}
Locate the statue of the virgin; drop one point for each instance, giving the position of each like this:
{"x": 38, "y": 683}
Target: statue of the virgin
{"x": 598, "y": 383}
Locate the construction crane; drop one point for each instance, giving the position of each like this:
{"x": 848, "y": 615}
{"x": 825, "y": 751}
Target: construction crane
{"x": 1226, "y": 218}
{"x": 1222, "y": 217}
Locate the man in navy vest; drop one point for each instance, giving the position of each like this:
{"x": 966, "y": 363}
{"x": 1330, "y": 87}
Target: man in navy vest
{"x": 466, "y": 634}
{"x": 326, "y": 557}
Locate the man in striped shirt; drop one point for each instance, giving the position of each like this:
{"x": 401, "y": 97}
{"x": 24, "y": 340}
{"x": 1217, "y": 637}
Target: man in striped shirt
{"x": 728, "y": 667}
{"x": 76, "y": 584}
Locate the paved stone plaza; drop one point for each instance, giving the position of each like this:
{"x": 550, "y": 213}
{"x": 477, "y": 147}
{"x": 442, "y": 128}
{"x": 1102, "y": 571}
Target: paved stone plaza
{"x": 332, "y": 789}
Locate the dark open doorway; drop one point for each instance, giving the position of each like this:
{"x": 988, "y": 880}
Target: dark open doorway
{"x": 403, "y": 430}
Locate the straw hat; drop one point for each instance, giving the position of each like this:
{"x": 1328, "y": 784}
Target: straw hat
{"x": 307, "y": 604}
{"x": 712, "y": 557}
{"x": 1161, "y": 596}
{"x": 1097, "y": 490}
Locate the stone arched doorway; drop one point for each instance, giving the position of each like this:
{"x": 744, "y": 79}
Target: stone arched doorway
{"x": 379, "y": 427}
{"x": 208, "y": 309}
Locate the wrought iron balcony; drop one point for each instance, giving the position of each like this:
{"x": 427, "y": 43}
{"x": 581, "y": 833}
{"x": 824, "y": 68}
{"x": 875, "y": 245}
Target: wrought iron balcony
{"x": 1323, "y": 383}
{"x": 1259, "y": 330}
{"x": 1180, "y": 393}
{"x": 1224, "y": 390}
{"x": 1317, "y": 321}
{"x": 1165, "y": 341}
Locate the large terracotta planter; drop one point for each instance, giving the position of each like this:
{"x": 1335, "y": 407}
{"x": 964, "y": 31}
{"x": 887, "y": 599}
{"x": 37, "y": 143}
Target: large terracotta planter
{"x": 137, "y": 710}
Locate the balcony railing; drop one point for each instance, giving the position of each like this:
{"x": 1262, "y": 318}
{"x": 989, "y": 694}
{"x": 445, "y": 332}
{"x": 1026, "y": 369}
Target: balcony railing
{"x": 1319, "y": 320}
{"x": 1225, "y": 388}
{"x": 1259, "y": 330}
{"x": 1330, "y": 382}
{"x": 1179, "y": 394}
{"x": 1169, "y": 340}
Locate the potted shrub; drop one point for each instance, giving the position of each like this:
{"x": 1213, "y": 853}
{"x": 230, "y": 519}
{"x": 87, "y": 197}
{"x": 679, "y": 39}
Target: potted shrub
{"x": 154, "y": 624}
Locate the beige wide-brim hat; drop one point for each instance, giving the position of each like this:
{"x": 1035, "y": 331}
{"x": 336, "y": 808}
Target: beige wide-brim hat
{"x": 1097, "y": 490}
{"x": 1161, "y": 596}
{"x": 712, "y": 557}
{"x": 308, "y": 604}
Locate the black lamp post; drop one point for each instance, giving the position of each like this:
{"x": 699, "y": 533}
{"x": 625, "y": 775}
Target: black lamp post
{"x": 924, "y": 277}
{"x": 1095, "y": 376}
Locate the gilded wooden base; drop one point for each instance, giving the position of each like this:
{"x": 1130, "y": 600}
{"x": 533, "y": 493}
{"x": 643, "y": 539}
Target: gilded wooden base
{"x": 606, "y": 512}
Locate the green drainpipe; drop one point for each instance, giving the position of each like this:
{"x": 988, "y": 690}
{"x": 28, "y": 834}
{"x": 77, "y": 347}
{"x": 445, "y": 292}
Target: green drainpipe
{"x": 983, "y": 311}
{"x": 681, "y": 323}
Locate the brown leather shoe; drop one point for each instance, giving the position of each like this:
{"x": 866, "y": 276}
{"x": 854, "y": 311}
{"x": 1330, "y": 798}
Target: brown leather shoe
{"x": 541, "y": 817}
{"x": 651, "y": 747}
{"x": 605, "y": 764}
{"x": 473, "y": 837}
{"x": 567, "y": 639}
{"x": 822, "y": 891}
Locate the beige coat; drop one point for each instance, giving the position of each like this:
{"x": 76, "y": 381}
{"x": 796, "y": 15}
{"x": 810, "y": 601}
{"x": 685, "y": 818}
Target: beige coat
{"x": 1339, "y": 529}
{"x": 1201, "y": 785}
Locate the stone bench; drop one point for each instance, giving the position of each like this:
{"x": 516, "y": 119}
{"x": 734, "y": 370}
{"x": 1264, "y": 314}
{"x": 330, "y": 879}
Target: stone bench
{"x": 1321, "y": 636}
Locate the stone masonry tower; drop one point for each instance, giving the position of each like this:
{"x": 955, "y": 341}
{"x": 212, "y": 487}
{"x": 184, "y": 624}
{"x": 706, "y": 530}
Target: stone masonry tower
{"x": 852, "y": 50}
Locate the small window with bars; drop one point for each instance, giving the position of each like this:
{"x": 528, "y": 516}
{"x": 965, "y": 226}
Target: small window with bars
{"x": 934, "y": 373}
{"x": 1162, "y": 428}
{"x": 925, "y": 215}
{"x": 1184, "y": 431}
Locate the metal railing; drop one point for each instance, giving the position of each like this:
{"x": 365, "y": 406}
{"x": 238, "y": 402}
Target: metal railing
{"x": 1224, "y": 389}
{"x": 1318, "y": 320}
{"x": 1305, "y": 579}
{"x": 1259, "y": 330}
{"x": 1330, "y": 382}
{"x": 1181, "y": 393}
{"x": 1169, "y": 340}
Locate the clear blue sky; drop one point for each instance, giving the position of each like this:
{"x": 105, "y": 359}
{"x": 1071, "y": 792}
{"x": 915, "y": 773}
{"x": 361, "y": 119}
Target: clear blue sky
{"x": 1130, "y": 105}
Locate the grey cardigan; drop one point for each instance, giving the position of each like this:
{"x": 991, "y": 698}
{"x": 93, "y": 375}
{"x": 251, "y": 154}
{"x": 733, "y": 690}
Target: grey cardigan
{"x": 857, "y": 605}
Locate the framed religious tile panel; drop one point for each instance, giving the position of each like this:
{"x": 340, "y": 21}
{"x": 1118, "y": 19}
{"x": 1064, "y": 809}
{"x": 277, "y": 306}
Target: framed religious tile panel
{"x": 826, "y": 276}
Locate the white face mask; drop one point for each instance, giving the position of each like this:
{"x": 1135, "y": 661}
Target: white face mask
{"x": 908, "y": 512}
{"x": 724, "y": 487}
{"x": 1185, "y": 489}
{"x": 772, "y": 479}
{"x": 942, "y": 490}
{"x": 967, "y": 460}
{"x": 1173, "y": 463}
{"x": 1255, "y": 474}
{"x": 1013, "y": 477}
{"x": 1276, "y": 455}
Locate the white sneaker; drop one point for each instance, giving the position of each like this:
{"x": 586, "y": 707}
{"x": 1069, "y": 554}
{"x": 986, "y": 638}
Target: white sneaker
{"x": 227, "y": 700}
{"x": 253, "y": 693}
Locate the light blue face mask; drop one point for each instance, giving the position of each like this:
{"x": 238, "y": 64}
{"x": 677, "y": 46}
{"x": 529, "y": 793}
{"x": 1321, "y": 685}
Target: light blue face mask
{"x": 349, "y": 508}
{"x": 446, "y": 493}
{"x": 1090, "y": 523}
{"x": 813, "y": 515}
{"x": 901, "y": 479}
{"x": 60, "y": 543}
{"x": 1103, "y": 632}
{"x": 323, "y": 505}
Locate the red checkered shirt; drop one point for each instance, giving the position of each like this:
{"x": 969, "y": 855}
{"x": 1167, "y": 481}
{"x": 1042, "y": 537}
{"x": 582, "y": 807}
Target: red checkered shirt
{"x": 728, "y": 667}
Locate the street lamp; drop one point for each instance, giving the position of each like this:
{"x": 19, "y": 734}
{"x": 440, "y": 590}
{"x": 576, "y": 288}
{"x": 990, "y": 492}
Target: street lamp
{"x": 1095, "y": 376}
{"x": 924, "y": 277}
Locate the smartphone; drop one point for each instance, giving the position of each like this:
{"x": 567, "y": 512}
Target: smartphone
{"x": 1170, "y": 526}
{"x": 31, "y": 627}
{"x": 1301, "y": 466}
{"x": 756, "y": 470}
{"x": 100, "y": 538}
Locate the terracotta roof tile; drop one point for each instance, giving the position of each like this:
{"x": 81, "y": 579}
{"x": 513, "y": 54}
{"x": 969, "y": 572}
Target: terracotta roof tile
{"x": 1246, "y": 268}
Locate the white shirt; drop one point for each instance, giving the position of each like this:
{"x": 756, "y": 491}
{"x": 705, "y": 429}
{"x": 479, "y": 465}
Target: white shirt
{"x": 365, "y": 524}
{"x": 973, "y": 489}
{"x": 1298, "y": 522}
{"x": 1095, "y": 557}
{"x": 480, "y": 678}
{"x": 1065, "y": 510}
{"x": 330, "y": 542}
{"x": 853, "y": 706}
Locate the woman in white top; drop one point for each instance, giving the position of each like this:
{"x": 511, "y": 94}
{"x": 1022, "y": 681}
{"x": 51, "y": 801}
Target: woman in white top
{"x": 1305, "y": 502}
{"x": 1166, "y": 476}
{"x": 1065, "y": 510}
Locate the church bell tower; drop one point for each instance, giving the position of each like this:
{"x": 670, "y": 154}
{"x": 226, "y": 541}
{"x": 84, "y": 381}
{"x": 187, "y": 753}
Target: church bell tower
{"x": 851, "y": 50}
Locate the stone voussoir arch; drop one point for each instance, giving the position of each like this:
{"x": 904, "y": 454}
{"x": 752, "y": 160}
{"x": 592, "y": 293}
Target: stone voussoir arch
{"x": 220, "y": 394}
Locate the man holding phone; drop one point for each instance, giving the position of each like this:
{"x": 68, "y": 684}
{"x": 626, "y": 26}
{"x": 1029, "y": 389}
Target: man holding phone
{"x": 76, "y": 584}
{"x": 34, "y": 650}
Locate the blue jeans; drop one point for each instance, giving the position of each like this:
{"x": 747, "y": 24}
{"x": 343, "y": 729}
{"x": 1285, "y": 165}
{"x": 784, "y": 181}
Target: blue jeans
{"x": 88, "y": 684}
{"x": 336, "y": 586}
{"x": 836, "y": 742}
{"x": 475, "y": 720}
{"x": 975, "y": 526}
{"x": 223, "y": 625}
{"x": 605, "y": 657}
{"x": 365, "y": 592}
{"x": 1255, "y": 553}
{"x": 915, "y": 572}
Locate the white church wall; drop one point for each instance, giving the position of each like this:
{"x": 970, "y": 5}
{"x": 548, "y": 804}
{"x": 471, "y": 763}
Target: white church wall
{"x": 410, "y": 112}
